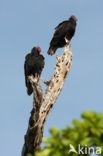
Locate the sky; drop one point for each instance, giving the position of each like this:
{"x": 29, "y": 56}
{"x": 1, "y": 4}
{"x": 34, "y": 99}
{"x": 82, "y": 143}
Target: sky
{"x": 24, "y": 24}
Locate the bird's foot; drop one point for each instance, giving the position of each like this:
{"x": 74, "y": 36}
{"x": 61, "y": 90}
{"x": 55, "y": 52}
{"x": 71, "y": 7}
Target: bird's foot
{"x": 67, "y": 41}
{"x": 36, "y": 78}
{"x": 33, "y": 79}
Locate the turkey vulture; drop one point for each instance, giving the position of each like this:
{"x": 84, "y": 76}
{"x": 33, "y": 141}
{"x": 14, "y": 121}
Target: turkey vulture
{"x": 34, "y": 64}
{"x": 63, "y": 34}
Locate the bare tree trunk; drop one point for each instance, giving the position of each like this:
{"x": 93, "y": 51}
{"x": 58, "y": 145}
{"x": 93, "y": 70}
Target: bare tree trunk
{"x": 42, "y": 103}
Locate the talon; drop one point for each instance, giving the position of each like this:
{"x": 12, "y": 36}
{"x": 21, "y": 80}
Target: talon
{"x": 67, "y": 41}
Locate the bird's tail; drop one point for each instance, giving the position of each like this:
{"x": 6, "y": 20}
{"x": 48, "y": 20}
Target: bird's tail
{"x": 52, "y": 50}
{"x": 29, "y": 88}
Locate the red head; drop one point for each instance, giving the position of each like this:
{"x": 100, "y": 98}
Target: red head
{"x": 36, "y": 50}
{"x": 73, "y": 18}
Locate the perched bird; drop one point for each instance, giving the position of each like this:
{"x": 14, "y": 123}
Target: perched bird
{"x": 63, "y": 34}
{"x": 33, "y": 65}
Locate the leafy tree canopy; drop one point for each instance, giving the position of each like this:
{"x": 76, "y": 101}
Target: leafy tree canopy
{"x": 87, "y": 132}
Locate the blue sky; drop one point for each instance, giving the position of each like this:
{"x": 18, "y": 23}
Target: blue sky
{"x": 24, "y": 24}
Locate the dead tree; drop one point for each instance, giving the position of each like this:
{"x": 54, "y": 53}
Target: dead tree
{"x": 43, "y": 102}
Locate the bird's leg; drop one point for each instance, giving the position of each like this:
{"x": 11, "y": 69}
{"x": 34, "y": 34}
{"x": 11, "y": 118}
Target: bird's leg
{"x": 34, "y": 78}
{"x": 37, "y": 76}
{"x": 67, "y": 41}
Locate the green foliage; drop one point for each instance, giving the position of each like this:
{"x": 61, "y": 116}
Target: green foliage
{"x": 29, "y": 154}
{"x": 87, "y": 131}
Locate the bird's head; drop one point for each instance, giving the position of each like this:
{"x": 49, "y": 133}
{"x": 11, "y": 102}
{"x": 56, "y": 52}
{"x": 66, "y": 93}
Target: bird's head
{"x": 36, "y": 50}
{"x": 73, "y": 18}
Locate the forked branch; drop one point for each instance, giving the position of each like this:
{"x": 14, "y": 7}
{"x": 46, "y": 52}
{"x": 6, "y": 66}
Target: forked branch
{"x": 42, "y": 103}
